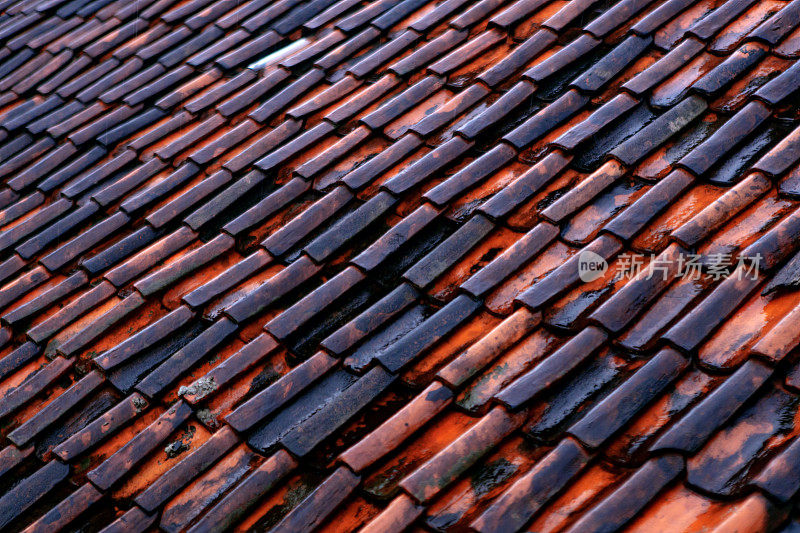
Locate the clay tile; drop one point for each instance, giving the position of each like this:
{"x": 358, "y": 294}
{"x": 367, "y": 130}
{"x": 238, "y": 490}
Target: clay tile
{"x": 545, "y": 120}
{"x": 399, "y": 427}
{"x": 206, "y": 212}
{"x": 34, "y": 384}
{"x": 186, "y": 140}
{"x": 453, "y": 108}
{"x": 427, "y": 52}
{"x": 518, "y": 58}
{"x": 220, "y": 90}
{"x": 261, "y": 145}
{"x": 313, "y": 49}
{"x": 287, "y": 193}
{"x": 709, "y": 25}
{"x": 221, "y": 375}
{"x": 465, "y": 52}
{"x": 249, "y": 50}
{"x": 498, "y": 111}
{"x": 442, "y": 469}
{"x": 30, "y": 490}
{"x": 690, "y": 432}
{"x": 334, "y": 412}
{"x": 723, "y": 466}
{"x": 785, "y": 278}
{"x": 126, "y": 182}
{"x": 56, "y": 409}
{"x": 56, "y": 230}
{"x": 144, "y": 338}
{"x": 774, "y": 246}
{"x": 363, "y": 174}
{"x": 401, "y": 103}
{"x": 565, "y": 276}
{"x": 48, "y": 298}
{"x": 347, "y": 49}
{"x": 475, "y": 13}
{"x": 106, "y": 80}
{"x": 45, "y": 165}
{"x": 362, "y": 99}
{"x": 292, "y": 276}
{"x": 584, "y": 192}
{"x": 432, "y": 162}
{"x": 398, "y": 515}
{"x": 428, "y": 333}
{"x": 649, "y": 205}
{"x": 436, "y": 15}
{"x": 179, "y": 362}
{"x": 659, "y": 131}
{"x": 183, "y": 92}
{"x": 315, "y": 165}
{"x": 25, "y": 157}
{"x": 20, "y": 117}
{"x": 618, "y": 15}
{"x": 483, "y": 352}
{"x": 349, "y": 226}
{"x": 789, "y": 46}
{"x": 475, "y": 172}
{"x": 76, "y": 342}
{"x": 612, "y": 63}
{"x": 781, "y": 339}
{"x": 382, "y": 55}
{"x": 120, "y": 250}
{"x": 525, "y": 186}
{"x": 70, "y": 312}
{"x": 80, "y": 244}
{"x": 632, "y": 496}
{"x": 712, "y": 311}
{"x": 779, "y": 24}
{"x": 782, "y": 156}
{"x": 290, "y": 320}
{"x": 618, "y": 311}
{"x": 779, "y": 87}
{"x": 186, "y": 470}
{"x": 149, "y": 256}
{"x": 295, "y": 146}
{"x": 397, "y": 13}
{"x": 625, "y": 402}
{"x": 275, "y": 104}
{"x": 319, "y": 504}
{"x": 243, "y": 495}
{"x": 288, "y": 236}
{"x": 215, "y": 48}
{"x": 134, "y": 451}
{"x": 555, "y": 63}
{"x": 555, "y": 367}
{"x": 33, "y": 223}
{"x": 370, "y": 320}
{"x": 780, "y": 476}
{"x": 263, "y": 404}
{"x": 22, "y": 285}
{"x": 514, "y": 508}
{"x": 158, "y": 190}
{"x": 67, "y": 510}
{"x": 599, "y": 119}
{"x": 659, "y": 16}
{"x": 430, "y": 267}
{"x": 724, "y": 208}
{"x": 732, "y": 67}
{"x": 101, "y": 427}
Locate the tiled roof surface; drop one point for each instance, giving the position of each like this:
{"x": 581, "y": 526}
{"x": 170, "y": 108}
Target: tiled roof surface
{"x": 312, "y": 264}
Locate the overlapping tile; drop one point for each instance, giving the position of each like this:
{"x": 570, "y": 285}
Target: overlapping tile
{"x": 316, "y": 264}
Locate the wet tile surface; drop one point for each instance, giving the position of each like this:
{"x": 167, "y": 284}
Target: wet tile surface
{"x": 321, "y": 265}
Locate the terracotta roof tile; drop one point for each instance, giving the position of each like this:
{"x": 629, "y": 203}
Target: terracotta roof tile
{"x": 316, "y": 265}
